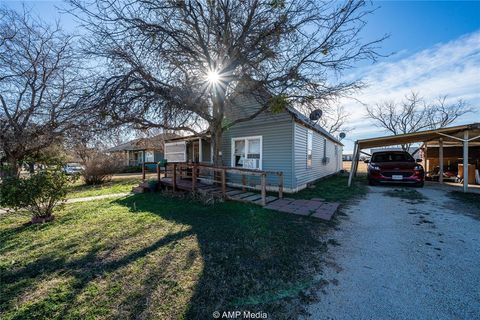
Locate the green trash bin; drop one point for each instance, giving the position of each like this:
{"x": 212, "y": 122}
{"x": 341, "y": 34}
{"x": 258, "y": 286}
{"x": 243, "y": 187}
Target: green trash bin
{"x": 163, "y": 163}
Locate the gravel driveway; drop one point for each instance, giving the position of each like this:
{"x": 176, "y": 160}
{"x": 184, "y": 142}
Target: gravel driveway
{"x": 403, "y": 259}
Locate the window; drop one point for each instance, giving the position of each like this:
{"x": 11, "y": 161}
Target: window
{"x": 149, "y": 156}
{"x": 309, "y": 148}
{"x": 392, "y": 157}
{"x": 247, "y": 152}
{"x": 176, "y": 151}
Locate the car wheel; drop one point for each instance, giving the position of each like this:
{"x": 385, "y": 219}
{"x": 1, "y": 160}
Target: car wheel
{"x": 372, "y": 183}
{"x": 420, "y": 184}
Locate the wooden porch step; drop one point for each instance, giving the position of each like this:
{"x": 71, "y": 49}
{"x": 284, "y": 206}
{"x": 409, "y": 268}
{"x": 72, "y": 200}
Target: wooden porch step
{"x": 234, "y": 192}
{"x": 253, "y": 198}
{"x": 267, "y": 200}
{"x": 242, "y": 195}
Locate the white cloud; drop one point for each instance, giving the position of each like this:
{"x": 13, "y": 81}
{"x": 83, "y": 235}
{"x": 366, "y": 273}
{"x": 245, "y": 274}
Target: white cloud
{"x": 451, "y": 69}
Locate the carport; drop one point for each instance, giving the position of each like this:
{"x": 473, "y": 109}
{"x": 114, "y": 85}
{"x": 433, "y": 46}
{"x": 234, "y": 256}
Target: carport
{"x": 463, "y": 135}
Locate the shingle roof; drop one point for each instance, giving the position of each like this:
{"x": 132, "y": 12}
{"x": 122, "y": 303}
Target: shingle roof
{"x": 153, "y": 143}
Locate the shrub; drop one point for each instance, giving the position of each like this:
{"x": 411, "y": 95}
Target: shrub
{"x": 6, "y": 170}
{"x": 39, "y": 193}
{"x": 99, "y": 168}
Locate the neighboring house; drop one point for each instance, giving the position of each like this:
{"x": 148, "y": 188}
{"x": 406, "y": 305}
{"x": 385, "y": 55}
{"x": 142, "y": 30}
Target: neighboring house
{"x": 138, "y": 151}
{"x": 286, "y": 141}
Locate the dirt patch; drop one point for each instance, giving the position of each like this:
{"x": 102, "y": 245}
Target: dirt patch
{"x": 465, "y": 203}
{"x": 411, "y": 195}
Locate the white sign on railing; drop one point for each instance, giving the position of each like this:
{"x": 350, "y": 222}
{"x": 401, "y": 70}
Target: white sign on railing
{"x": 250, "y": 163}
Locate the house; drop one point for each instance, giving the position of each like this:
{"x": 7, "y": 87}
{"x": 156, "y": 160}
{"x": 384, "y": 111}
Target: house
{"x": 286, "y": 141}
{"x": 138, "y": 151}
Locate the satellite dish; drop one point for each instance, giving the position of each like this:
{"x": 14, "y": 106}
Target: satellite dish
{"x": 342, "y": 135}
{"x": 315, "y": 115}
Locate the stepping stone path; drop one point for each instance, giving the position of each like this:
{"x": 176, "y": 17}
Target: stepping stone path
{"x": 315, "y": 207}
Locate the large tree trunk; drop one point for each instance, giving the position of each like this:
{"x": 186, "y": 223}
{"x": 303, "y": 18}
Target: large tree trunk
{"x": 13, "y": 167}
{"x": 217, "y": 133}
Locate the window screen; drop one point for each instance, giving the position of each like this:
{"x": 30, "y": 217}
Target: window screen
{"x": 176, "y": 151}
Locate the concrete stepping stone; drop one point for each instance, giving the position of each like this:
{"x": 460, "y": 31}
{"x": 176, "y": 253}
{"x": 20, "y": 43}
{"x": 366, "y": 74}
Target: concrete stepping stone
{"x": 268, "y": 199}
{"x": 326, "y": 211}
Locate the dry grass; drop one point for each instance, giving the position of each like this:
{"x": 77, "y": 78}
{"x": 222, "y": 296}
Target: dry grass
{"x": 362, "y": 167}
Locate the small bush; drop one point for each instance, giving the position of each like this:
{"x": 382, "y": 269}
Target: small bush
{"x": 99, "y": 168}
{"x": 39, "y": 193}
{"x": 6, "y": 170}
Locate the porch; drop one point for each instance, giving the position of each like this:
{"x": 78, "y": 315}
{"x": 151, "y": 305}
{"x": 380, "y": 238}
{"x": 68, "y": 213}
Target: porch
{"x": 238, "y": 184}
{"x": 244, "y": 185}
{"x": 138, "y": 157}
{"x": 194, "y": 149}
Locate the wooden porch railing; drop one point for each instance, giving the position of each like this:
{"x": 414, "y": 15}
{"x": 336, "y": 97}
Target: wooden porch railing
{"x": 219, "y": 175}
{"x": 157, "y": 168}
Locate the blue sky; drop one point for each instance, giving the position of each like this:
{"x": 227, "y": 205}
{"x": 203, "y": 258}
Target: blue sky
{"x": 435, "y": 46}
{"x": 436, "y": 51}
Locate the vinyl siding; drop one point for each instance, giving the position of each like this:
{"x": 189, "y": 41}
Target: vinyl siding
{"x": 277, "y": 139}
{"x": 284, "y": 146}
{"x": 245, "y": 106}
{"x": 158, "y": 156}
{"x": 304, "y": 175}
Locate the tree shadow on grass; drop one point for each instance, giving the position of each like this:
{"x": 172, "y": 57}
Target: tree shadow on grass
{"x": 253, "y": 259}
{"x": 250, "y": 258}
{"x": 84, "y": 270}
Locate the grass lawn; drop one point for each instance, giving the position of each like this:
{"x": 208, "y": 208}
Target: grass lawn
{"x": 150, "y": 256}
{"x": 334, "y": 188}
{"x": 118, "y": 184}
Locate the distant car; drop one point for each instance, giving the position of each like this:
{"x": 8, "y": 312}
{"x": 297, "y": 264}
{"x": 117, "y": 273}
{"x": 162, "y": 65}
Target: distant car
{"x": 72, "y": 168}
{"x": 395, "y": 167}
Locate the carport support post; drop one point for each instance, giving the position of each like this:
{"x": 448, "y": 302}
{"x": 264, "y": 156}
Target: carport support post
{"x": 354, "y": 162}
{"x": 465, "y": 161}
{"x": 440, "y": 156}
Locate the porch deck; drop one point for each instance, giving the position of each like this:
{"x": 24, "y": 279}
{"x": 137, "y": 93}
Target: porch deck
{"x": 188, "y": 177}
{"x": 230, "y": 193}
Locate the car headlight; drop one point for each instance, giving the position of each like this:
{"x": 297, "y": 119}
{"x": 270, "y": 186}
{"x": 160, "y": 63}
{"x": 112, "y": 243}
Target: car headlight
{"x": 418, "y": 167}
{"x": 373, "y": 167}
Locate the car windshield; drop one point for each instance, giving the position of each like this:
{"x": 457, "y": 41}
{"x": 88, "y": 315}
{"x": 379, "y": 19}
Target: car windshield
{"x": 392, "y": 157}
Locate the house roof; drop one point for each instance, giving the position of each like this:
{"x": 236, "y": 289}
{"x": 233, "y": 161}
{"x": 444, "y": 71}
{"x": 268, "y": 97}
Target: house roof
{"x": 153, "y": 143}
{"x": 308, "y": 123}
{"x": 203, "y": 134}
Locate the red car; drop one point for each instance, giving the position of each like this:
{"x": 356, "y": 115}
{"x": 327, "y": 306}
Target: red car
{"x": 395, "y": 167}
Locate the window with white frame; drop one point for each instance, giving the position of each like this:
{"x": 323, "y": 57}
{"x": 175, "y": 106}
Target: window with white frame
{"x": 309, "y": 148}
{"x": 247, "y": 152}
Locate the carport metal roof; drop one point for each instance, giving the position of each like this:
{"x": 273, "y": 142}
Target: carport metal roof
{"x": 460, "y": 134}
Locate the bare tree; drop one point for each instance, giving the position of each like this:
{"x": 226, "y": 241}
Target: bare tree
{"x": 180, "y": 65}
{"x": 414, "y": 114}
{"x": 39, "y": 84}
